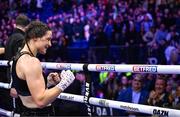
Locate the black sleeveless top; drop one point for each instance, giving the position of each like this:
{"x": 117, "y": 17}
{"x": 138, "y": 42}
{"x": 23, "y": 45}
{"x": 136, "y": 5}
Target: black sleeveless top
{"x": 19, "y": 84}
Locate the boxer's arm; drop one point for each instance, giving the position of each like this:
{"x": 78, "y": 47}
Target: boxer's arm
{"x": 36, "y": 84}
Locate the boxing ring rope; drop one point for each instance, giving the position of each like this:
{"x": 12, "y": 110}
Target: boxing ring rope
{"x": 4, "y": 85}
{"x": 154, "y": 69}
{"x": 6, "y": 113}
{"x": 114, "y": 104}
{"x": 121, "y": 105}
{"x": 161, "y": 69}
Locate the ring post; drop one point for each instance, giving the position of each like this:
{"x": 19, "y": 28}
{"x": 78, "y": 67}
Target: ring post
{"x": 87, "y": 89}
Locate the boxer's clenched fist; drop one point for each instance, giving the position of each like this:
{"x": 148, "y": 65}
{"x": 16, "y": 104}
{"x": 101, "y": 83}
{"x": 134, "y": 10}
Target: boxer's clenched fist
{"x": 67, "y": 77}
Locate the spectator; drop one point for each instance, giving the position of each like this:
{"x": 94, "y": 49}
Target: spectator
{"x": 148, "y": 37}
{"x": 110, "y": 85}
{"x": 134, "y": 94}
{"x": 158, "y": 96}
{"x": 175, "y": 98}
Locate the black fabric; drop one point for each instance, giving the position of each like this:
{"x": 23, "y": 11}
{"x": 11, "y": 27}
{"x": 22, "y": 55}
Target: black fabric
{"x": 19, "y": 84}
{"x": 34, "y": 112}
{"x": 14, "y": 43}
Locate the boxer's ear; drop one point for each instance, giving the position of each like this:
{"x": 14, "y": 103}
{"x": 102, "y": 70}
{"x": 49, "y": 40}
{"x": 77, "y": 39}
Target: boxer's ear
{"x": 36, "y": 39}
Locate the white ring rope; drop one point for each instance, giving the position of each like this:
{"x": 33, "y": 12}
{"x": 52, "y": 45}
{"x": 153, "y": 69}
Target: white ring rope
{"x": 161, "y": 69}
{"x": 6, "y": 113}
{"x": 120, "y": 105}
{"x": 5, "y": 85}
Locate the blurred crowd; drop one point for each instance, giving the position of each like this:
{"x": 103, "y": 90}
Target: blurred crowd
{"x": 146, "y": 28}
{"x": 110, "y": 31}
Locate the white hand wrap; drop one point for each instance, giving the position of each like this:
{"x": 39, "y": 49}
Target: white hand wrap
{"x": 67, "y": 77}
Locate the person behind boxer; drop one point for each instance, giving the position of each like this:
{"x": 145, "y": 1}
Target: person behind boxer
{"x": 28, "y": 75}
{"x": 16, "y": 39}
{"x": 14, "y": 43}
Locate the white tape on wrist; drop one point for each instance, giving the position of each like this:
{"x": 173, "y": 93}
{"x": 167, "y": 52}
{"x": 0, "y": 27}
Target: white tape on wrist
{"x": 67, "y": 77}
